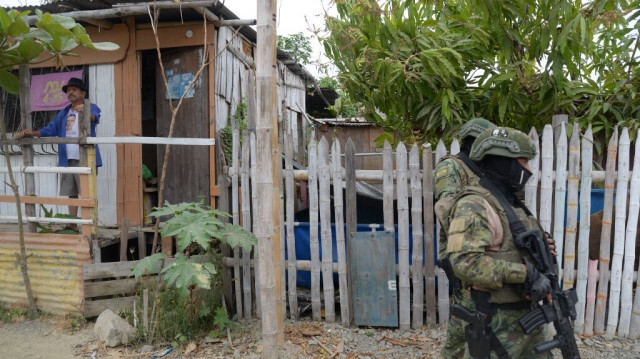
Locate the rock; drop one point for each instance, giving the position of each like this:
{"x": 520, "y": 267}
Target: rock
{"x": 146, "y": 349}
{"x": 113, "y": 330}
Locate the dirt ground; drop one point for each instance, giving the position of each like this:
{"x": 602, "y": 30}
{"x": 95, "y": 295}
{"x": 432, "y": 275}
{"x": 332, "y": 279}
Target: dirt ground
{"x": 47, "y": 338}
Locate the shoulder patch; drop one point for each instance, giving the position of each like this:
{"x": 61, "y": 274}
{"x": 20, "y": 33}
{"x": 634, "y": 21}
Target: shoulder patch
{"x": 442, "y": 172}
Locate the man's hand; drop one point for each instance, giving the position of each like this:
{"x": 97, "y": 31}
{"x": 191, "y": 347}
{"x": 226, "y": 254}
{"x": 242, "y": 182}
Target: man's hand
{"x": 79, "y": 107}
{"x": 551, "y": 242}
{"x": 27, "y": 133}
{"x": 537, "y": 286}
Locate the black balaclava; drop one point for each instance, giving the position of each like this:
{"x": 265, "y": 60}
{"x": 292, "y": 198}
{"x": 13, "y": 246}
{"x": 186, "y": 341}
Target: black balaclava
{"x": 465, "y": 146}
{"x": 506, "y": 173}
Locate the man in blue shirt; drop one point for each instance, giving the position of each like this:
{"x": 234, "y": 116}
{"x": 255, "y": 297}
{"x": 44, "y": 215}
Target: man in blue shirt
{"x": 65, "y": 124}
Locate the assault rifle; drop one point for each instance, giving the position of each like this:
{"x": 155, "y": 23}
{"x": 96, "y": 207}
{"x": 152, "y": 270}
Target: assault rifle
{"x": 561, "y": 310}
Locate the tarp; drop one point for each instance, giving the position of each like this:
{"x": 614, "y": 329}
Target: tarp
{"x": 303, "y": 252}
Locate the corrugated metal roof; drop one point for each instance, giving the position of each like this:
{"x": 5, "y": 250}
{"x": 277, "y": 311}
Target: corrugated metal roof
{"x": 351, "y": 121}
{"x": 54, "y": 266}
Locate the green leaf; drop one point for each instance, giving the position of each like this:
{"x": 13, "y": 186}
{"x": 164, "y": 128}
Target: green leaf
{"x": 184, "y": 273}
{"x": 150, "y": 264}
{"x": 9, "y": 82}
{"x": 236, "y": 236}
{"x": 221, "y": 319}
{"x": 17, "y": 27}
{"x": 104, "y": 46}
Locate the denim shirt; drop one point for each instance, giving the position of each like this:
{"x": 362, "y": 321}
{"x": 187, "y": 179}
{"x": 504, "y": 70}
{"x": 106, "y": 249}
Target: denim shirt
{"x": 58, "y": 128}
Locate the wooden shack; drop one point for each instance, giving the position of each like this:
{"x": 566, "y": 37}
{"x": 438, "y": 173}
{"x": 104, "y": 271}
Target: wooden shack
{"x": 127, "y": 85}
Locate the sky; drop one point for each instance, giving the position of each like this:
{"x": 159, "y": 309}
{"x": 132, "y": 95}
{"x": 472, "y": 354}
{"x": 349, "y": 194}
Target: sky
{"x": 293, "y": 16}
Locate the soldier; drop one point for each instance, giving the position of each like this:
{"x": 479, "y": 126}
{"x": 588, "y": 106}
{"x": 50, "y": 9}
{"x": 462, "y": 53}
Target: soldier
{"x": 504, "y": 283}
{"x": 451, "y": 175}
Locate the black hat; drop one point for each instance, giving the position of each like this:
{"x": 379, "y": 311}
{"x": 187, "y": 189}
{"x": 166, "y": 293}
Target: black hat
{"x": 75, "y": 82}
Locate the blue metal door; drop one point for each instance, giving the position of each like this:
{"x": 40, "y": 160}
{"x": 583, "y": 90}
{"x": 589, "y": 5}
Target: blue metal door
{"x": 373, "y": 278}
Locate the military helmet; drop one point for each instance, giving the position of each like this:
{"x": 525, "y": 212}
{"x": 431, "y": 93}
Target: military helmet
{"x": 474, "y": 127}
{"x": 502, "y": 141}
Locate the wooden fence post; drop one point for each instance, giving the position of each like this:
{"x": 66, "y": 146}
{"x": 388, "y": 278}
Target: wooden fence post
{"x": 403, "y": 238}
{"x": 429, "y": 265}
{"x": 324, "y": 173}
{"x": 585, "y": 221}
{"x": 443, "y": 281}
{"x": 605, "y": 235}
{"x": 235, "y": 165}
{"x": 531, "y": 188}
{"x": 246, "y": 221}
{"x": 416, "y": 228}
{"x": 291, "y": 240}
{"x": 626, "y": 312}
{"x": 546, "y": 180}
{"x": 336, "y": 165}
{"x": 619, "y": 242}
{"x": 560, "y": 196}
{"x": 351, "y": 206}
{"x": 316, "y": 304}
{"x": 572, "y": 208}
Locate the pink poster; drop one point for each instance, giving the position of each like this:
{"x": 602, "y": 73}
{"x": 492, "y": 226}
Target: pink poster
{"x": 46, "y": 90}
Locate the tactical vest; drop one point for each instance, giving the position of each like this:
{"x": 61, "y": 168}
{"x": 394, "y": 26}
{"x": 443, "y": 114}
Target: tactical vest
{"x": 508, "y": 251}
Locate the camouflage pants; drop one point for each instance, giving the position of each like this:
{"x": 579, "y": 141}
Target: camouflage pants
{"x": 455, "y": 343}
{"x": 506, "y": 327}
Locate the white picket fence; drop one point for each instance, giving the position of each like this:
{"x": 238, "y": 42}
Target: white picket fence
{"x": 561, "y": 174}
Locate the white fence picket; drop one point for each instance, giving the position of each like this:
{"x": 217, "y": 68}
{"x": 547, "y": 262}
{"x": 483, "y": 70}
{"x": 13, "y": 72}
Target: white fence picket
{"x": 403, "y": 238}
{"x": 443, "y": 282}
{"x": 618, "y": 245}
{"x": 546, "y": 178}
{"x": 585, "y": 221}
{"x": 560, "y": 196}
{"x": 336, "y": 165}
{"x": 324, "y": 190}
{"x": 531, "y": 188}
{"x": 605, "y": 234}
{"x": 314, "y": 244}
{"x": 572, "y": 209}
{"x": 625, "y": 327}
{"x": 416, "y": 229}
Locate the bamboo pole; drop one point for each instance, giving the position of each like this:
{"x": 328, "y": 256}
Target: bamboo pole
{"x": 626, "y": 313}
{"x": 235, "y": 165}
{"x": 546, "y": 183}
{"x": 254, "y": 216}
{"x": 351, "y": 209}
{"x": 265, "y": 133}
{"x": 429, "y": 265}
{"x": 314, "y": 244}
{"x": 326, "y": 239}
{"x": 403, "y": 238}
{"x": 531, "y": 188}
{"x": 246, "y": 221}
{"x": 591, "y": 296}
{"x": 585, "y": 222}
{"x": 387, "y": 187}
{"x": 443, "y": 281}
{"x": 619, "y": 242}
{"x": 605, "y": 235}
{"x": 336, "y": 165}
{"x": 560, "y": 196}
{"x": 417, "y": 275}
{"x": 291, "y": 240}
{"x": 572, "y": 209}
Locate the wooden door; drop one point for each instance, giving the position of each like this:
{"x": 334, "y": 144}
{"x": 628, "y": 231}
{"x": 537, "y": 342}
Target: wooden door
{"x": 187, "y": 178}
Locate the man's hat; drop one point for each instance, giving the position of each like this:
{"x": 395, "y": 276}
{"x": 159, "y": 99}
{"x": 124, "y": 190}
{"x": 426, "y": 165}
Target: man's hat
{"x": 75, "y": 82}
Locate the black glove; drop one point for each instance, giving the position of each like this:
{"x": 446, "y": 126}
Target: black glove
{"x": 536, "y": 285}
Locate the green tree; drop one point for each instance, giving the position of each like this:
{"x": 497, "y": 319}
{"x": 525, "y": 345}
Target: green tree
{"x": 22, "y": 43}
{"x": 298, "y": 45}
{"x": 423, "y": 68}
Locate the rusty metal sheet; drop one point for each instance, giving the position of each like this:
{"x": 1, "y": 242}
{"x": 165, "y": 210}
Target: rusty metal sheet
{"x": 54, "y": 266}
{"x": 373, "y": 278}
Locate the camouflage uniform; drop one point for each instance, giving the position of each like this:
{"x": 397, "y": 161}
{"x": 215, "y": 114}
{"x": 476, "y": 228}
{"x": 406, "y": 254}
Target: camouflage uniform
{"x": 451, "y": 176}
{"x": 483, "y": 255}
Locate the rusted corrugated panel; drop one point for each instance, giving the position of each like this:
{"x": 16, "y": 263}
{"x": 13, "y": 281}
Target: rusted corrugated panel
{"x": 55, "y": 270}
